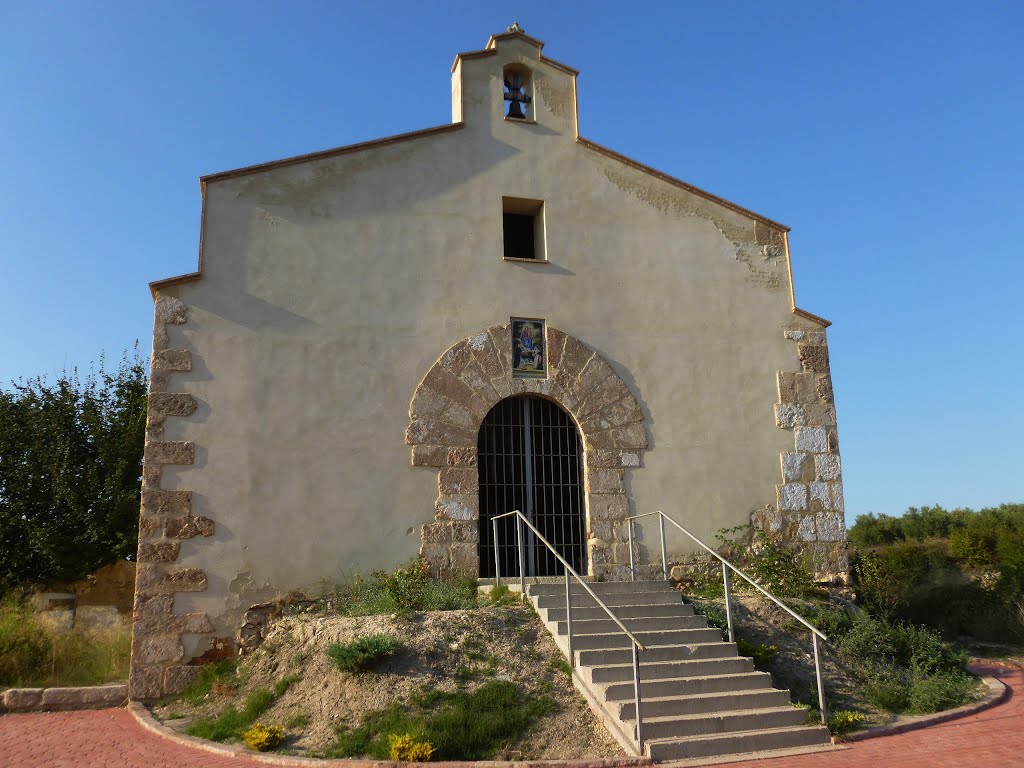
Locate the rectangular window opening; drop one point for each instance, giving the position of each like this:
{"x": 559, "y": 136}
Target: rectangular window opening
{"x": 523, "y": 228}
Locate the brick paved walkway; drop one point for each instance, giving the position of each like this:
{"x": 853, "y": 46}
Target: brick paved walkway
{"x": 111, "y": 738}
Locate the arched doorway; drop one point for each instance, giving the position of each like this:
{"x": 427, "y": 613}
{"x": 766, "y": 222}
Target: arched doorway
{"x": 530, "y": 458}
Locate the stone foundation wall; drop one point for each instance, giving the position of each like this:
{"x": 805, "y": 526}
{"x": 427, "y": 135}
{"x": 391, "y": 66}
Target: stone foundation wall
{"x": 158, "y": 666}
{"x": 459, "y": 390}
{"x": 809, "y": 508}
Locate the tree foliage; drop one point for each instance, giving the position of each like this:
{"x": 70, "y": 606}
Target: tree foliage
{"x": 959, "y": 571}
{"x": 70, "y": 472}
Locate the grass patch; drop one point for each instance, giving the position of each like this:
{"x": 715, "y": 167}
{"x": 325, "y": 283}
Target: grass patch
{"x": 500, "y": 597}
{"x": 221, "y": 672}
{"x": 363, "y": 654}
{"x": 562, "y": 666}
{"x": 298, "y": 720}
{"x": 233, "y": 722}
{"x": 464, "y": 725}
{"x": 407, "y": 588}
{"x": 33, "y": 653}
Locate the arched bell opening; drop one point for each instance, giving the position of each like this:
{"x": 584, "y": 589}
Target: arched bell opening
{"x": 530, "y": 458}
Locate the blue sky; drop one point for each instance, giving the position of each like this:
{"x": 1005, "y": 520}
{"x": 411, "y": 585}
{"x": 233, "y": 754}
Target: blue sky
{"x": 887, "y": 135}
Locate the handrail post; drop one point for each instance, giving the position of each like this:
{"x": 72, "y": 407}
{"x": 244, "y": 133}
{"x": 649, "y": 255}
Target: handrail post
{"x": 727, "y": 580}
{"x": 522, "y": 566}
{"x": 821, "y": 684}
{"x": 664, "y": 556}
{"x": 497, "y": 560}
{"x": 636, "y": 700}
{"x": 568, "y": 618}
{"x": 632, "y": 568}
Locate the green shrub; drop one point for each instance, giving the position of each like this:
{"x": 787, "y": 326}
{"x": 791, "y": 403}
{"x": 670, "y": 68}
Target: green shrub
{"x": 715, "y": 614}
{"x": 464, "y": 725}
{"x": 363, "y": 654}
{"x": 844, "y": 721}
{"x": 35, "y": 653}
{"x": 759, "y": 652}
{"x": 263, "y": 738}
{"x": 888, "y": 689}
{"x": 941, "y": 690}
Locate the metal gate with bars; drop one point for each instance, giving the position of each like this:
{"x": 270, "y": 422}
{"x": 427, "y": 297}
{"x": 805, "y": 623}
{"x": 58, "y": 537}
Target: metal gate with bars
{"x": 530, "y": 458}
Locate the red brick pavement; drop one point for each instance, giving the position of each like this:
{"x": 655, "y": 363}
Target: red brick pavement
{"x": 111, "y": 738}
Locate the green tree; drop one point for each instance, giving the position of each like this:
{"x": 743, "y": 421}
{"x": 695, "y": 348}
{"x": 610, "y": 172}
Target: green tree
{"x": 70, "y": 472}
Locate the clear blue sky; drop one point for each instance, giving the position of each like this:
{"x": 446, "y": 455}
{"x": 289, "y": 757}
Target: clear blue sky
{"x": 888, "y": 135}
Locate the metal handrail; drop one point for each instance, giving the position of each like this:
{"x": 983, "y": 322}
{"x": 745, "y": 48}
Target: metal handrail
{"x": 815, "y": 632}
{"x": 636, "y": 645}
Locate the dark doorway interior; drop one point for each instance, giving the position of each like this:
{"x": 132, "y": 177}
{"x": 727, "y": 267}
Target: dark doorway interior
{"x": 530, "y": 458}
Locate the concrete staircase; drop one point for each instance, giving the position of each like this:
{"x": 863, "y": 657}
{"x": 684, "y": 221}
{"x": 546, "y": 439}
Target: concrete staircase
{"x": 699, "y": 698}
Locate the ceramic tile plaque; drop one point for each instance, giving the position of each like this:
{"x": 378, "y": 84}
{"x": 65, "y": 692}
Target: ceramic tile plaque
{"x": 529, "y": 349}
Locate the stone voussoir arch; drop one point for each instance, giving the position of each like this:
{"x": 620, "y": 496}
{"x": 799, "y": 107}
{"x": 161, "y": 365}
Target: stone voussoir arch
{"x": 450, "y": 403}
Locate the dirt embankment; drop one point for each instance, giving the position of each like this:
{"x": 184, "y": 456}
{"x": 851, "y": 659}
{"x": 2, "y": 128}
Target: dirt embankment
{"x": 442, "y": 651}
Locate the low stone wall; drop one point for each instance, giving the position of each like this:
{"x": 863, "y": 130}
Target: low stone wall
{"x": 63, "y": 699}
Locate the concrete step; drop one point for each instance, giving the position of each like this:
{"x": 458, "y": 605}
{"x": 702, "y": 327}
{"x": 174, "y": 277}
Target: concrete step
{"x": 617, "y": 673}
{"x": 689, "y": 652}
{"x": 602, "y": 588}
{"x": 681, "y": 726}
{"x": 689, "y": 686}
{"x": 611, "y": 600}
{"x": 622, "y": 611}
{"x": 619, "y": 639}
{"x": 737, "y": 742}
{"x": 674, "y": 705}
{"x": 644, "y": 624}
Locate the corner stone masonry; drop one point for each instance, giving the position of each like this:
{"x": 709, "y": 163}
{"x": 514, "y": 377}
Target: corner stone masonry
{"x": 809, "y": 508}
{"x": 158, "y": 666}
{"x": 456, "y": 394}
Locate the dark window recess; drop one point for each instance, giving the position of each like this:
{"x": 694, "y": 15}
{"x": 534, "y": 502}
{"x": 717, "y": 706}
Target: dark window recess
{"x": 519, "y": 236}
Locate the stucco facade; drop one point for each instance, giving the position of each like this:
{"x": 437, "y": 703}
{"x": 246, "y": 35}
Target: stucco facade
{"x": 318, "y": 382}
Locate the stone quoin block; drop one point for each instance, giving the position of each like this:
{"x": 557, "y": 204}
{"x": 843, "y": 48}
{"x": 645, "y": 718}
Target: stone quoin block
{"x": 172, "y": 452}
{"x": 792, "y": 466}
{"x": 157, "y": 502}
{"x": 813, "y": 357}
{"x": 146, "y": 681}
{"x": 158, "y": 649}
{"x": 172, "y": 360}
{"x": 170, "y": 310}
{"x": 429, "y": 455}
{"x": 788, "y": 416}
{"x": 165, "y": 404}
{"x": 159, "y": 551}
{"x": 188, "y": 526}
{"x": 827, "y": 466}
{"x": 146, "y": 604}
{"x": 792, "y": 496}
{"x": 811, "y": 439}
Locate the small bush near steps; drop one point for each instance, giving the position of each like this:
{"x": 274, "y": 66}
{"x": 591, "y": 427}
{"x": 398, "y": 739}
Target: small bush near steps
{"x": 363, "y": 654}
{"x": 263, "y": 738}
{"x": 845, "y": 721}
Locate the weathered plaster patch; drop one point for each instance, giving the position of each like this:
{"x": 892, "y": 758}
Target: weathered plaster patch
{"x": 747, "y": 241}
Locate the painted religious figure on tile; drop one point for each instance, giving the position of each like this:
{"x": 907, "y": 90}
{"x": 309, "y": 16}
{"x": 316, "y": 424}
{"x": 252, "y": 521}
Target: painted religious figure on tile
{"x": 529, "y": 358}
